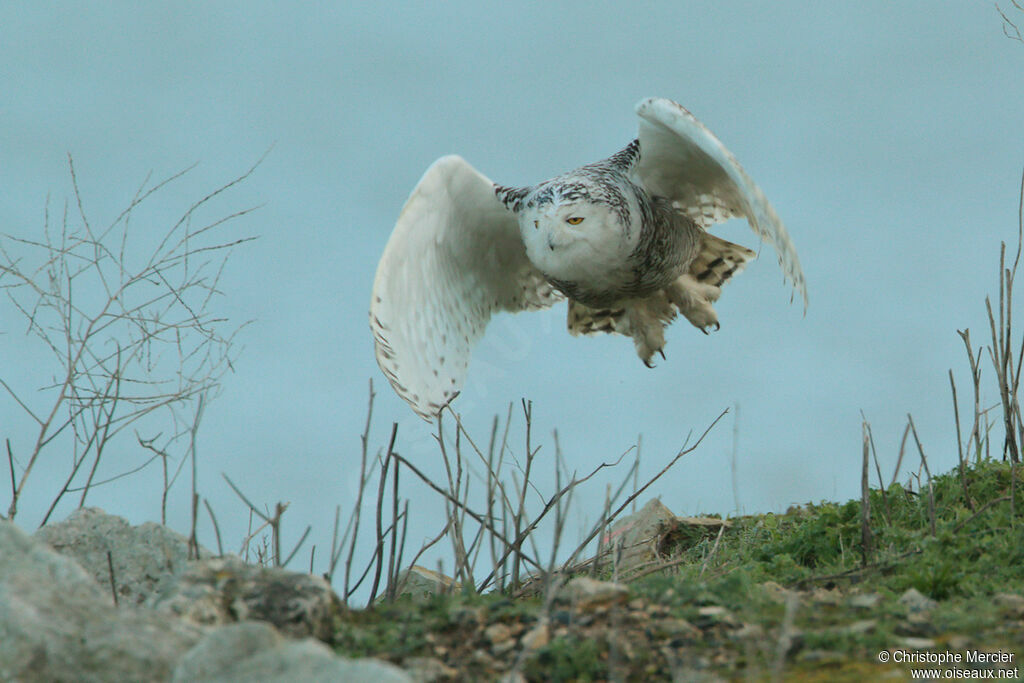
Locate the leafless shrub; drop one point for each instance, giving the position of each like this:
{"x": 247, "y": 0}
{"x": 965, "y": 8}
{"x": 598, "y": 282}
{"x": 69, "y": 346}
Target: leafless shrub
{"x": 128, "y": 337}
{"x": 270, "y": 554}
{"x": 509, "y": 524}
{"x": 1007, "y": 357}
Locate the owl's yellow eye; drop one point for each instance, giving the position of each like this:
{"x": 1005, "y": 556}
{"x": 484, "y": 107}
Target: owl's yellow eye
{"x": 575, "y": 220}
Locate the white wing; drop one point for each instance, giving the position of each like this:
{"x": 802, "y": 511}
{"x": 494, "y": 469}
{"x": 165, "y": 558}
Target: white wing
{"x": 683, "y": 161}
{"x": 454, "y": 257}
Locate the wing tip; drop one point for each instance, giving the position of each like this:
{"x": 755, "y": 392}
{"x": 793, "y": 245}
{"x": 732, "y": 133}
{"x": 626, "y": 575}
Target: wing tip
{"x": 449, "y": 159}
{"x": 654, "y": 105}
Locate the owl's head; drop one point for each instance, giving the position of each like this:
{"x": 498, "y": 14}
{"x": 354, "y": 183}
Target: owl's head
{"x": 574, "y": 227}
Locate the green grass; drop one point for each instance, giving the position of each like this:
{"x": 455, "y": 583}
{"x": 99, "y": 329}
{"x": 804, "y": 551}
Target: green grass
{"x": 820, "y": 540}
{"x": 974, "y": 553}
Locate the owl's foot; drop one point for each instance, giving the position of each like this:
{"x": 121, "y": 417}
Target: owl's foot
{"x": 694, "y": 299}
{"x": 649, "y": 340}
{"x": 645, "y": 321}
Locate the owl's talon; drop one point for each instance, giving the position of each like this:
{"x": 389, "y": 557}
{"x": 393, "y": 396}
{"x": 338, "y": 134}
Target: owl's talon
{"x": 648, "y": 363}
{"x": 662, "y": 354}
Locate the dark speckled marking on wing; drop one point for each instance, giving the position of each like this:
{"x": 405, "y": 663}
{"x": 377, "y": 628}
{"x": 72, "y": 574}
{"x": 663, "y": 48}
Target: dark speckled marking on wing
{"x": 718, "y": 260}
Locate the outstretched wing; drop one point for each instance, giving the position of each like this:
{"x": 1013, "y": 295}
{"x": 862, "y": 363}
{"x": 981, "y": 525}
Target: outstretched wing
{"x": 683, "y": 161}
{"x": 454, "y": 258}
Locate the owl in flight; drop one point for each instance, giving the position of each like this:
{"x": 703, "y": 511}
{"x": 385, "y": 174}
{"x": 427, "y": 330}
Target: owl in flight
{"x": 623, "y": 239}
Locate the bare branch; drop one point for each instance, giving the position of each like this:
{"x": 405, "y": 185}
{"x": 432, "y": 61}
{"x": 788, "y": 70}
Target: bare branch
{"x": 1010, "y": 29}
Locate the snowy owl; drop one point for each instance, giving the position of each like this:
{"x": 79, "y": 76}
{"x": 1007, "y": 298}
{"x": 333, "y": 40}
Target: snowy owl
{"x": 623, "y": 239}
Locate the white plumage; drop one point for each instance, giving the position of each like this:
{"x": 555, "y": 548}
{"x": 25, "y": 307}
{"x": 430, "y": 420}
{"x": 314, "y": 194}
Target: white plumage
{"x": 624, "y": 239}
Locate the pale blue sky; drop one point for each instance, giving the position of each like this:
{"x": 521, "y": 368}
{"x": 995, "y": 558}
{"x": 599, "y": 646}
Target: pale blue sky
{"x": 887, "y": 135}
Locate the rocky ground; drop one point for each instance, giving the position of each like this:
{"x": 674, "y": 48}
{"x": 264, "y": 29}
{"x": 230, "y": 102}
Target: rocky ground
{"x": 605, "y": 631}
{"x": 767, "y": 597}
{"x": 95, "y": 599}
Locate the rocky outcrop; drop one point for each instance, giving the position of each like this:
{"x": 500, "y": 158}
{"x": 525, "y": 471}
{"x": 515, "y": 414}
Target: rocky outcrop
{"x": 135, "y": 559}
{"x": 255, "y": 651}
{"x": 57, "y": 624}
{"x": 213, "y": 619}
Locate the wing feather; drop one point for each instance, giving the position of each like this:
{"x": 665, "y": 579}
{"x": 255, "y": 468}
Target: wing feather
{"x": 454, "y": 258}
{"x": 682, "y": 160}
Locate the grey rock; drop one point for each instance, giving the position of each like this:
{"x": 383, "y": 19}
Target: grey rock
{"x": 915, "y": 601}
{"x": 537, "y": 637}
{"x": 56, "y": 623}
{"x": 428, "y": 669}
{"x": 1012, "y": 603}
{"x": 226, "y": 590}
{"x": 959, "y": 642}
{"x": 654, "y": 532}
{"x": 222, "y": 648}
{"x": 747, "y": 631}
{"x": 512, "y": 677}
{"x": 498, "y": 633}
{"x": 420, "y": 583}
{"x": 254, "y": 651}
{"x": 58, "y": 620}
{"x": 675, "y": 628}
{"x": 916, "y": 624}
{"x": 586, "y": 593}
{"x": 865, "y": 600}
{"x": 709, "y": 616}
{"x": 637, "y": 535}
{"x": 918, "y": 643}
{"x": 858, "y": 627}
{"x": 826, "y": 596}
{"x": 142, "y": 556}
{"x": 776, "y": 593}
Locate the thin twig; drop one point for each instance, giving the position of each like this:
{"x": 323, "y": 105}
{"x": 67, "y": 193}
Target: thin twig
{"x": 216, "y": 527}
{"x": 378, "y": 553}
{"x": 14, "y": 489}
{"x": 1010, "y": 29}
{"x": 357, "y": 509}
{"x": 714, "y": 548}
{"x": 959, "y": 444}
{"x": 113, "y": 583}
{"x": 865, "y": 499}
{"x": 878, "y": 468}
{"x": 967, "y": 520}
{"x": 899, "y": 458}
{"x": 924, "y": 462}
{"x": 295, "y": 550}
